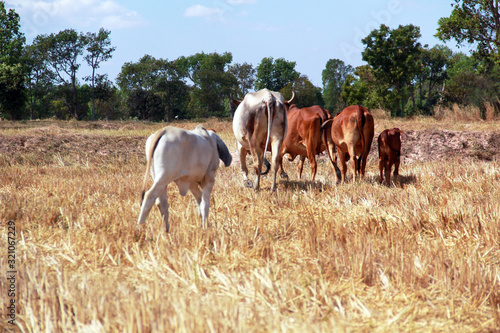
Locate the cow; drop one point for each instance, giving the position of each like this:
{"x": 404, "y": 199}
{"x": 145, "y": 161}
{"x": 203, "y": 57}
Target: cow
{"x": 305, "y": 137}
{"x": 351, "y": 131}
{"x": 259, "y": 121}
{"x": 389, "y": 152}
{"x": 190, "y": 159}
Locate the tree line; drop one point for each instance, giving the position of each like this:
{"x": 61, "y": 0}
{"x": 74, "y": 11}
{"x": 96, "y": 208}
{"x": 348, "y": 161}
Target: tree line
{"x": 401, "y": 75}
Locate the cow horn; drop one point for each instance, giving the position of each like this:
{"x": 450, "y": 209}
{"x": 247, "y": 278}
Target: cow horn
{"x": 291, "y": 99}
{"x": 234, "y": 100}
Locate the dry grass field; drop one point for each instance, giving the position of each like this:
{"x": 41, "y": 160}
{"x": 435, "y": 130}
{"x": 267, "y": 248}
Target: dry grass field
{"x": 421, "y": 256}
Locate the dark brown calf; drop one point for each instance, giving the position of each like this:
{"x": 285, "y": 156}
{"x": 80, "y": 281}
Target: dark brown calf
{"x": 389, "y": 152}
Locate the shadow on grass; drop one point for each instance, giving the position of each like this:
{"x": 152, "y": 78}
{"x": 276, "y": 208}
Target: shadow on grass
{"x": 303, "y": 185}
{"x": 401, "y": 181}
{"x": 406, "y": 180}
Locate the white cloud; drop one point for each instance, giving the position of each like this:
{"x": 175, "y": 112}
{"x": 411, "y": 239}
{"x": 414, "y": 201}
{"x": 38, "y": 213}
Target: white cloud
{"x": 239, "y": 2}
{"x": 39, "y": 15}
{"x": 219, "y": 10}
{"x": 202, "y": 11}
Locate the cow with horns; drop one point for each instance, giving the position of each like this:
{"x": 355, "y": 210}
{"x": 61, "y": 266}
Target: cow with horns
{"x": 259, "y": 121}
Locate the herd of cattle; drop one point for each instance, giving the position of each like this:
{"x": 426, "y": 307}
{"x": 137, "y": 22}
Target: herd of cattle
{"x": 263, "y": 121}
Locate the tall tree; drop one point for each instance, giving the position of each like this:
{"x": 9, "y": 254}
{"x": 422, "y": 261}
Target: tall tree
{"x": 61, "y": 51}
{"x": 99, "y": 50}
{"x": 432, "y": 75}
{"x": 160, "y": 76}
{"x": 363, "y": 88}
{"x": 12, "y": 70}
{"x": 170, "y": 86}
{"x": 212, "y": 82}
{"x": 334, "y": 76}
{"x": 393, "y": 56}
{"x": 275, "y": 74}
{"x": 306, "y": 93}
{"x": 474, "y": 22}
{"x": 245, "y": 75}
{"x": 39, "y": 82}
{"x": 139, "y": 75}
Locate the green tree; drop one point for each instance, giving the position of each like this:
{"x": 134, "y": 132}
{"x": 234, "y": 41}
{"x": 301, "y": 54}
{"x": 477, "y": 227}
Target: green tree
{"x": 139, "y": 75}
{"x": 474, "y": 22}
{"x": 362, "y": 88}
{"x": 245, "y": 76}
{"x": 467, "y": 84}
{"x": 334, "y": 76}
{"x": 99, "y": 49}
{"x": 145, "y": 105}
{"x": 212, "y": 82}
{"x": 39, "y": 82}
{"x": 306, "y": 94}
{"x": 432, "y": 75}
{"x": 160, "y": 76}
{"x": 393, "y": 55}
{"x": 61, "y": 52}
{"x": 275, "y": 74}
{"x": 12, "y": 70}
{"x": 172, "y": 89}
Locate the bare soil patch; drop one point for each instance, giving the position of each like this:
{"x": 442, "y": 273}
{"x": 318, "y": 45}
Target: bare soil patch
{"x": 421, "y": 145}
{"x": 429, "y": 145}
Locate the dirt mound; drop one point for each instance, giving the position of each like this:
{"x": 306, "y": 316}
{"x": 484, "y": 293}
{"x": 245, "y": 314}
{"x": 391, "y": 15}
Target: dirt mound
{"x": 424, "y": 145}
{"x": 431, "y": 145}
{"x": 88, "y": 146}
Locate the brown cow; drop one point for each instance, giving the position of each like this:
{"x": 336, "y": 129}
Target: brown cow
{"x": 351, "y": 131}
{"x": 389, "y": 152}
{"x": 304, "y": 137}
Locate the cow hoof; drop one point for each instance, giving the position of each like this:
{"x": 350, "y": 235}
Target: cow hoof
{"x": 284, "y": 175}
{"x": 248, "y": 183}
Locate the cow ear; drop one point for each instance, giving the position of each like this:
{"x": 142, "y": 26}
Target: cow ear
{"x": 327, "y": 124}
{"x": 224, "y": 154}
{"x": 403, "y": 135}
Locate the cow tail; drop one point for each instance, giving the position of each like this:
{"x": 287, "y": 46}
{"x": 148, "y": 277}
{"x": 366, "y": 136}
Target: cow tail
{"x": 325, "y": 138}
{"x": 269, "y": 124}
{"x": 149, "y": 156}
{"x": 360, "y": 120}
{"x": 325, "y": 127}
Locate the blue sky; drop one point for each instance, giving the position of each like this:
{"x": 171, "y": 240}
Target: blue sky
{"x": 308, "y": 34}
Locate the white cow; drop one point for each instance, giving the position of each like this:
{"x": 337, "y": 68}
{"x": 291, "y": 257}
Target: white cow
{"x": 254, "y": 132}
{"x": 188, "y": 158}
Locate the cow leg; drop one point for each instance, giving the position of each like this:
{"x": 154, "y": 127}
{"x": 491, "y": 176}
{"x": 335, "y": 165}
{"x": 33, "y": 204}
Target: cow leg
{"x": 243, "y": 163}
{"x": 355, "y": 160}
{"x": 396, "y": 165}
{"x": 333, "y": 158}
{"x": 258, "y": 160}
{"x": 381, "y": 167}
{"x": 149, "y": 199}
{"x": 275, "y": 148}
{"x": 163, "y": 205}
{"x": 282, "y": 172}
{"x": 205, "y": 203}
{"x": 300, "y": 166}
{"x": 343, "y": 165}
{"x": 202, "y": 197}
{"x": 363, "y": 164}
{"x": 388, "y": 166}
{"x": 311, "y": 155}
